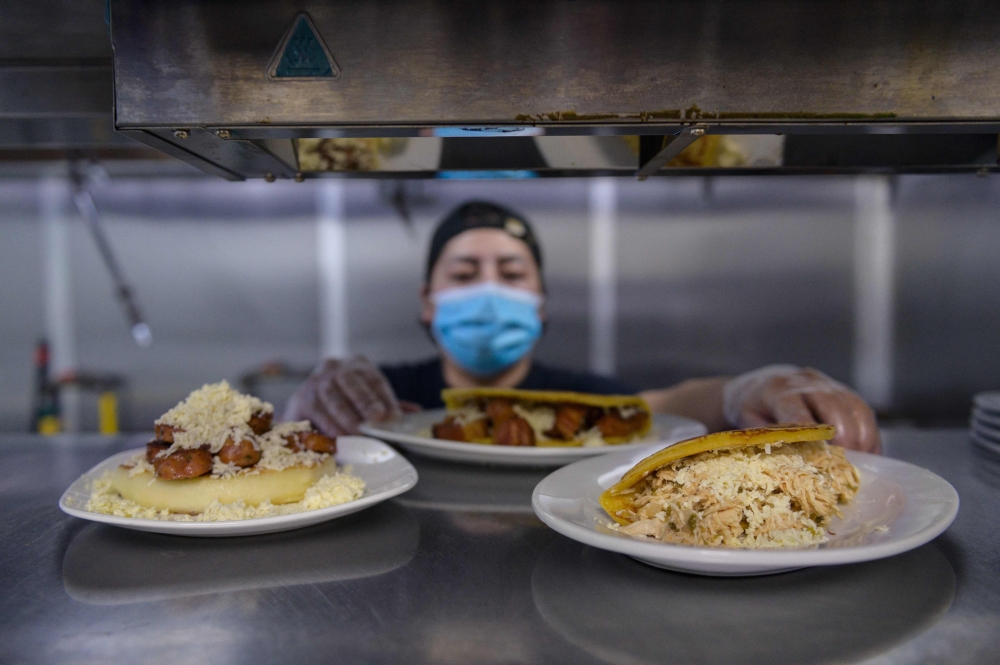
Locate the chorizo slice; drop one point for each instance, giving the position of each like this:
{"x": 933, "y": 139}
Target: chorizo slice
{"x": 164, "y": 432}
{"x": 612, "y": 424}
{"x": 514, "y": 432}
{"x": 260, "y": 422}
{"x": 187, "y": 463}
{"x": 318, "y": 443}
{"x": 498, "y": 410}
{"x": 240, "y": 453}
{"x": 313, "y": 441}
{"x": 569, "y": 420}
{"x": 449, "y": 429}
{"x": 154, "y": 448}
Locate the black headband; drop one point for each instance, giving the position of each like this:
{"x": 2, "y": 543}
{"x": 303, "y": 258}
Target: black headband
{"x": 481, "y": 215}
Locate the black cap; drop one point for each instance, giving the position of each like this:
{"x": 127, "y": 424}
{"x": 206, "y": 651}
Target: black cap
{"x": 481, "y": 215}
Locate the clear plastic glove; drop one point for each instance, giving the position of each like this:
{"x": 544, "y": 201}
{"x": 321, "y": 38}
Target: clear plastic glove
{"x": 790, "y": 394}
{"x": 339, "y": 395}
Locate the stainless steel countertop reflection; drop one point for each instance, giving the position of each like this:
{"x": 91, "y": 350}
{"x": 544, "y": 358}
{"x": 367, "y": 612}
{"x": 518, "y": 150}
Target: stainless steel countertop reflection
{"x": 459, "y": 570}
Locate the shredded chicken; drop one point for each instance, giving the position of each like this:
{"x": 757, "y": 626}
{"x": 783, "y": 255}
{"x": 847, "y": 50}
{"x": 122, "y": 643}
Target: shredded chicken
{"x": 779, "y": 495}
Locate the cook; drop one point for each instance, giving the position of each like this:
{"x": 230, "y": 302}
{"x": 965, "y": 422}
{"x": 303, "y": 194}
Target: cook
{"x": 483, "y": 302}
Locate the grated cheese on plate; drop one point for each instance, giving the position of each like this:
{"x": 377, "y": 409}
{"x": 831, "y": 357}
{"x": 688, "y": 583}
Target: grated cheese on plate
{"x": 776, "y": 495}
{"x": 329, "y": 490}
{"x": 212, "y": 414}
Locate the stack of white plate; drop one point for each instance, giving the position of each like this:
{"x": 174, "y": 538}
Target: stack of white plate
{"x": 985, "y": 422}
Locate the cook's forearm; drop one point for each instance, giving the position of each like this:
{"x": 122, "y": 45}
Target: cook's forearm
{"x": 700, "y": 399}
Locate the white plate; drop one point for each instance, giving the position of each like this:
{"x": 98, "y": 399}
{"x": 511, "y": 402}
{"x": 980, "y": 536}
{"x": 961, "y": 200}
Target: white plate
{"x": 915, "y": 504}
{"x": 385, "y": 472}
{"x": 405, "y": 432}
{"x": 985, "y": 418}
{"x": 984, "y": 443}
{"x": 988, "y": 401}
{"x": 985, "y": 431}
{"x": 107, "y": 566}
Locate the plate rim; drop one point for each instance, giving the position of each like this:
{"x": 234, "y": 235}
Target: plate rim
{"x": 499, "y": 453}
{"x": 192, "y": 528}
{"x": 987, "y": 400}
{"x": 980, "y": 440}
{"x": 985, "y": 430}
{"x": 984, "y": 417}
{"x": 764, "y": 559}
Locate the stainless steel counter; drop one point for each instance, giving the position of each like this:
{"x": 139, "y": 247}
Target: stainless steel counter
{"x": 459, "y": 571}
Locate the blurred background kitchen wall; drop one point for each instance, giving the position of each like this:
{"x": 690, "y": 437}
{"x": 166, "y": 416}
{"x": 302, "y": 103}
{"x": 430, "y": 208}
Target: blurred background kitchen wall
{"x": 889, "y": 284}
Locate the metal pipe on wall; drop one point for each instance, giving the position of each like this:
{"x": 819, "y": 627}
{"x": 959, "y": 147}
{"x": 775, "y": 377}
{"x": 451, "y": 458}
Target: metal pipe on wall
{"x": 874, "y": 290}
{"x": 603, "y": 210}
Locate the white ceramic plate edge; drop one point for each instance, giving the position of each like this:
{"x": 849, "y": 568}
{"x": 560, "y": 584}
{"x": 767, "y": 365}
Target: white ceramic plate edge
{"x": 762, "y": 560}
{"x": 406, "y": 479}
{"x": 522, "y": 455}
{"x": 988, "y": 401}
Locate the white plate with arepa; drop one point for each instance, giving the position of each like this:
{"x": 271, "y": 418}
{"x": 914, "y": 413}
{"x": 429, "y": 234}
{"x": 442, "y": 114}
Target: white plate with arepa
{"x": 412, "y": 432}
{"x": 898, "y": 507}
{"x": 385, "y": 473}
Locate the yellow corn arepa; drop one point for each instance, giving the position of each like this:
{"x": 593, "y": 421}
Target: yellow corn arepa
{"x": 194, "y": 495}
{"x": 621, "y": 496}
{"x": 456, "y": 399}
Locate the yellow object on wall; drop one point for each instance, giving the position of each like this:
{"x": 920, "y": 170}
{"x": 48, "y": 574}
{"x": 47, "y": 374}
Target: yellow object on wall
{"x": 49, "y": 425}
{"x": 107, "y": 413}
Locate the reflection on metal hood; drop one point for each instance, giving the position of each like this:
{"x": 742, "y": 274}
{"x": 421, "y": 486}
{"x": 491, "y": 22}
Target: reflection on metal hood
{"x": 517, "y": 88}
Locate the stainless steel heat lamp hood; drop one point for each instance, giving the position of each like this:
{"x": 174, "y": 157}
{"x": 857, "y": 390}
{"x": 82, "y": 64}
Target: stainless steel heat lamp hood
{"x": 503, "y": 88}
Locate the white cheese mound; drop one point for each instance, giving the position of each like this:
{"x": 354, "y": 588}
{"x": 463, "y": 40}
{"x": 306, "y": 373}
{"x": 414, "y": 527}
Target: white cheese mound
{"x": 771, "y": 496}
{"x": 592, "y": 438}
{"x": 274, "y": 455}
{"x": 212, "y": 414}
{"x": 541, "y": 418}
{"x": 329, "y": 490}
{"x": 466, "y": 414}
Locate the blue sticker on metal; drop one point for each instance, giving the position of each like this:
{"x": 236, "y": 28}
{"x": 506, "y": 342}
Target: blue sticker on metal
{"x": 302, "y": 54}
{"x": 451, "y": 132}
{"x": 487, "y": 175}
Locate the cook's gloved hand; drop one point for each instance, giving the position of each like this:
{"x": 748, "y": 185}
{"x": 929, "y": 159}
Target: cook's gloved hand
{"x": 339, "y": 395}
{"x": 790, "y": 394}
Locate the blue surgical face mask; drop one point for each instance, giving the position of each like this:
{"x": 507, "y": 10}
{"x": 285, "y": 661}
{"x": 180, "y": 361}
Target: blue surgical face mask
{"x": 486, "y": 327}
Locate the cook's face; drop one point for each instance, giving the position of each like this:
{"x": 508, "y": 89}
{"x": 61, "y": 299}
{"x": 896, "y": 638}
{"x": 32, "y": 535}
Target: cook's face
{"x": 482, "y": 255}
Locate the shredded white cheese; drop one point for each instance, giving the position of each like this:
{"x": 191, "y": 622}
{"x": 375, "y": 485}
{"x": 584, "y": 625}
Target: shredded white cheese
{"x": 212, "y": 414}
{"x": 541, "y": 418}
{"x": 592, "y": 438}
{"x": 329, "y": 490}
{"x": 781, "y": 496}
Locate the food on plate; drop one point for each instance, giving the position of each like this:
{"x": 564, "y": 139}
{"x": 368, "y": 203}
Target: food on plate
{"x": 767, "y": 487}
{"x": 510, "y": 417}
{"x": 217, "y": 456}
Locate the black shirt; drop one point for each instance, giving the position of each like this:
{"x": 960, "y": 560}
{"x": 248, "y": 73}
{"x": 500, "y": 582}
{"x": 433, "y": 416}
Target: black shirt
{"x": 423, "y": 382}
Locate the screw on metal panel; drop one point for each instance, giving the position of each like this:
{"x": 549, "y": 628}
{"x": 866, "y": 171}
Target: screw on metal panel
{"x": 223, "y": 133}
{"x": 299, "y": 177}
{"x": 182, "y": 133}
{"x": 269, "y": 177}
{"x": 697, "y": 131}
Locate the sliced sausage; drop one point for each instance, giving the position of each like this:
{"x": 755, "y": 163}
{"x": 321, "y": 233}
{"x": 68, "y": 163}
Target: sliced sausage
{"x": 313, "y": 441}
{"x": 319, "y": 443}
{"x": 612, "y": 424}
{"x": 514, "y": 432}
{"x": 449, "y": 429}
{"x": 260, "y": 422}
{"x": 499, "y": 410}
{"x": 187, "y": 463}
{"x": 154, "y": 448}
{"x": 569, "y": 420}
{"x": 165, "y": 432}
{"x": 239, "y": 453}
